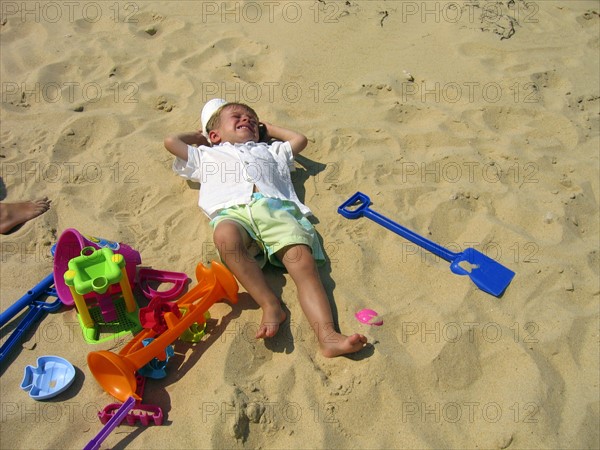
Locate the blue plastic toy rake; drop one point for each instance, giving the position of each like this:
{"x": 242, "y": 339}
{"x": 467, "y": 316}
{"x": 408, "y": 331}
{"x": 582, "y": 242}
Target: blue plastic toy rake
{"x": 488, "y": 275}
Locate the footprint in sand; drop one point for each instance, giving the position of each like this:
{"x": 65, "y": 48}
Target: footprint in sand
{"x": 89, "y": 133}
{"x": 499, "y": 124}
{"x": 457, "y": 366}
{"x": 590, "y": 18}
{"x": 503, "y": 19}
{"x": 162, "y": 104}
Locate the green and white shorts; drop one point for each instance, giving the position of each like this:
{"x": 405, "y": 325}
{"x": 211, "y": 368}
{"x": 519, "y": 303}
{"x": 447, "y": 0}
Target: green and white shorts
{"x": 273, "y": 224}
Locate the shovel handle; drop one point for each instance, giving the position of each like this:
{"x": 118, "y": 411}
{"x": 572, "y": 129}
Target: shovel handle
{"x": 358, "y": 206}
{"x": 43, "y": 287}
{"x": 355, "y": 206}
{"x": 113, "y": 423}
{"x": 35, "y": 313}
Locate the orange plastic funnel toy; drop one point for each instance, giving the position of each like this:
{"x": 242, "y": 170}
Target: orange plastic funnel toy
{"x": 116, "y": 372}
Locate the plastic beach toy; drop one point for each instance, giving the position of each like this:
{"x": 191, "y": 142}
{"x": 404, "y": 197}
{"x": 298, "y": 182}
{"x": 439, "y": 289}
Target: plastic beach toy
{"x": 141, "y": 413}
{"x": 488, "y": 275}
{"x": 113, "y": 423}
{"x": 35, "y": 300}
{"x": 196, "y": 331}
{"x": 116, "y": 372}
{"x": 369, "y": 317}
{"x": 52, "y": 376}
{"x": 153, "y": 315}
{"x": 103, "y": 330}
{"x": 156, "y": 369}
{"x": 147, "y": 275}
{"x": 69, "y": 246}
{"x": 95, "y": 271}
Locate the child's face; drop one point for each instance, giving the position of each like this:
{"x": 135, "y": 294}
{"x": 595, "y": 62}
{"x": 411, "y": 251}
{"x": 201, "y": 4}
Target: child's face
{"x": 237, "y": 126}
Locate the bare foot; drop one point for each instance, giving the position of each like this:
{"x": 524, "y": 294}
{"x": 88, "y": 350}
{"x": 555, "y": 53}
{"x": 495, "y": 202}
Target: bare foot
{"x": 14, "y": 214}
{"x": 336, "y": 344}
{"x": 271, "y": 319}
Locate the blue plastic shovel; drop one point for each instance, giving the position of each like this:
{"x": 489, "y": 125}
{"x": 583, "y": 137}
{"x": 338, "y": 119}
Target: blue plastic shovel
{"x": 37, "y": 308}
{"x": 487, "y": 274}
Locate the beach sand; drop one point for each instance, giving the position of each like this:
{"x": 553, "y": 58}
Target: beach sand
{"x": 475, "y": 124}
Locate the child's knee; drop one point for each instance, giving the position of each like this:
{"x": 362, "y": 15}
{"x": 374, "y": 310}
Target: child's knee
{"x": 229, "y": 235}
{"x": 298, "y": 254}
{"x": 224, "y": 233}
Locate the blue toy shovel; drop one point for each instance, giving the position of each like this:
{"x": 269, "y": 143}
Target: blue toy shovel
{"x": 487, "y": 274}
{"x": 37, "y": 308}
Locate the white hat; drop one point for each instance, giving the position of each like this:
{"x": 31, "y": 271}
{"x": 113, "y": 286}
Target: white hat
{"x": 209, "y": 110}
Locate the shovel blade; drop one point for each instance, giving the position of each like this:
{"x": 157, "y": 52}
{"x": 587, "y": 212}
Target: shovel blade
{"x": 488, "y": 274}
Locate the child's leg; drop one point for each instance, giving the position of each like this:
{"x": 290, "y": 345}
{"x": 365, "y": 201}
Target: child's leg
{"x": 232, "y": 241}
{"x": 300, "y": 264}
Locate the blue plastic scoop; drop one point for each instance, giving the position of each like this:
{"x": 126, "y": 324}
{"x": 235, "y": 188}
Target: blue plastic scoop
{"x": 487, "y": 274}
{"x": 50, "y": 377}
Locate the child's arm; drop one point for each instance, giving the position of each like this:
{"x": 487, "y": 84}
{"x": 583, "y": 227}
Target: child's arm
{"x": 177, "y": 144}
{"x": 297, "y": 140}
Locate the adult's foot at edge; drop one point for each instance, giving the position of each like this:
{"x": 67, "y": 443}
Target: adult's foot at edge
{"x": 15, "y": 214}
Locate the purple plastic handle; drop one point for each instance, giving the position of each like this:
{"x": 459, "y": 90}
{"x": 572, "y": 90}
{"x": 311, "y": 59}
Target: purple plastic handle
{"x": 113, "y": 423}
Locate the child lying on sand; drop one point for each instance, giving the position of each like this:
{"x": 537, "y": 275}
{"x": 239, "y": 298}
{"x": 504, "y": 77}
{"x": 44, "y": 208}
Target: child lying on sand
{"x": 247, "y": 192}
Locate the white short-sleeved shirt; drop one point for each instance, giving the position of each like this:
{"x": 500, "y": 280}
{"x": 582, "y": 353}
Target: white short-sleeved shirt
{"x": 228, "y": 172}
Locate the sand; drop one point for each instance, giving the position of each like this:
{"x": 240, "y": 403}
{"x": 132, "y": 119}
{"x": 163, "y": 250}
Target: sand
{"x": 476, "y": 124}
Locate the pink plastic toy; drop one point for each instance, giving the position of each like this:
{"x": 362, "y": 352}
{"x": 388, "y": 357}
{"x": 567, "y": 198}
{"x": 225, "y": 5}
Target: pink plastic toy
{"x": 369, "y": 317}
{"x": 141, "y": 412}
{"x": 177, "y": 278}
{"x": 113, "y": 423}
{"x": 153, "y": 315}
